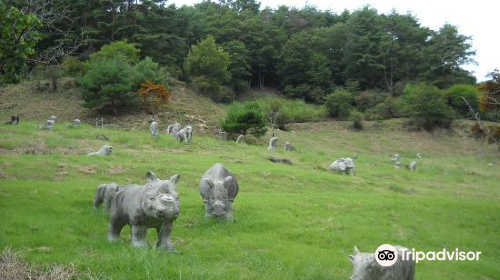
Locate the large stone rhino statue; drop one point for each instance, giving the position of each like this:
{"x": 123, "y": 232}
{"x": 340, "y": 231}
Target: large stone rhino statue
{"x": 218, "y": 188}
{"x": 365, "y": 267}
{"x": 154, "y": 205}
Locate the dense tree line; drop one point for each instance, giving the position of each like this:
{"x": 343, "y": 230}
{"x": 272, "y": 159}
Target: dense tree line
{"x": 307, "y": 53}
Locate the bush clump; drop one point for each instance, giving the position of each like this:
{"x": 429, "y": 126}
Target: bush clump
{"x": 245, "y": 118}
{"x": 339, "y": 104}
{"x": 426, "y": 107}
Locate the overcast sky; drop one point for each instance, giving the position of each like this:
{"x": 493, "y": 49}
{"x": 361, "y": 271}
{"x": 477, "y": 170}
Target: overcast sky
{"x": 478, "y": 19}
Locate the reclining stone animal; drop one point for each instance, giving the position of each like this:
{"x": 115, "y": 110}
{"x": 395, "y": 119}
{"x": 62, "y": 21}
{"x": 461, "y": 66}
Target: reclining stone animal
{"x": 154, "y": 205}
{"x": 289, "y": 147}
{"x": 153, "y": 128}
{"x": 14, "y": 120}
{"x": 106, "y": 150}
{"x": 173, "y": 128}
{"x": 218, "y": 188}
{"x": 280, "y": 160}
{"x": 412, "y": 166}
{"x": 272, "y": 144}
{"x": 241, "y": 139}
{"x": 104, "y": 194}
{"x": 185, "y": 134}
{"x": 365, "y": 267}
{"x": 343, "y": 165}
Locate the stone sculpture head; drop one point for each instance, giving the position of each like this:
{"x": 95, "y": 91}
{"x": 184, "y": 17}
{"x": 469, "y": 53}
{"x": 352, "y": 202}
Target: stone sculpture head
{"x": 365, "y": 267}
{"x": 396, "y": 157}
{"x": 161, "y": 199}
{"x": 219, "y": 196}
{"x": 106, "y": 150}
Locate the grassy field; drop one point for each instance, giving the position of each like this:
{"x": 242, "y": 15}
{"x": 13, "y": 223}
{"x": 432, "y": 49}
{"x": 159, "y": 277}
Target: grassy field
{"x": 292, "y": 222}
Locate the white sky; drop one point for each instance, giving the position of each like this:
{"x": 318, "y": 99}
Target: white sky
{"x": 477, "y": 19}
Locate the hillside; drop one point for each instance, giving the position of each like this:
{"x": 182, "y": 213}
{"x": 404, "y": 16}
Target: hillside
{"x": 292, "y": 222}
{"x": 185, "y": 107}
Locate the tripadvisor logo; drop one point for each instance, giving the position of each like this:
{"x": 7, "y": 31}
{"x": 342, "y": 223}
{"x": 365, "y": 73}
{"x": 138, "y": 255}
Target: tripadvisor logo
{"x": 386, "y": 255}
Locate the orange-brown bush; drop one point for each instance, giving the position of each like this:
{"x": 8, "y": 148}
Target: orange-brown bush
{"x": 153, "y": 96}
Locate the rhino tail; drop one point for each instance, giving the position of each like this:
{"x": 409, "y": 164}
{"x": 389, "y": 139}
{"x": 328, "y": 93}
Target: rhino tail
{"x": 99, "y": 195}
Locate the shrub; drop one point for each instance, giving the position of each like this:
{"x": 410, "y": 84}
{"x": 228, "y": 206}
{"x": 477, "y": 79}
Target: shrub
{"x": 153, "y": 96}
{"x": 74, "y": 66}
{"x": 384, "y": 110}
{"x": 147, "y": 70}
{"x": 107, "y": 83}
{"x": 245, "y": 118}
{"x": 120, "y": 50}
{"x": 426, "y": 107}
{"x": 339, "y": 104}
{"x": 357, "y": 119}
{"x": 53, "y": 74}
{"x": 367, "y": 99}
{"x": 454, "y": 96}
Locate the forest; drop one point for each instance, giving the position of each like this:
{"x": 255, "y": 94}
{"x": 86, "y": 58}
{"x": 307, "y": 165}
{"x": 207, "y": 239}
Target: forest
{"x": 222, "y": 49}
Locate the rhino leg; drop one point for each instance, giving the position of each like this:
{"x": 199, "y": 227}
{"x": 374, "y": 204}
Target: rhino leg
{"x": 208, "y": 210}
{"x": 164, "y": 239}
{"x": 229, "y": 213}
{"x": 114, "y": 230}
{"x": 139, "y": 236}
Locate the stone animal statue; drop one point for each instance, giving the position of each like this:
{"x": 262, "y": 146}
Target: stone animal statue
{"x": 99, "y": 122}
{"x": 174, "y": 128}
{"x": 14, "y": 120}
{"x": 106, "y": 150}
{"x": 289, "y": 147}
{"x": 272, "y": 144}
{"x": 397, "y": 165}
{"x": 396, "y": 157}
{"x": 154, "y": 205}
{"x": 54, "y": 118}
{"x": 75, "y": 123}
{"x": 49, "y": 125}
{"x": 241, "y": 139}
{"x": 153, "y": 128}
{"x": 412, "y": 166}
{"x": 419, "y": 155}
{"x": 222, "y": 135}
{"x": 218, "y": 188}
{"x": 185, "y": 134}
{"x": 280, "y": 160}
{"x": 104, "y": 194}
{"x": 343, "y": 165}
{"x": 365, "y": 267}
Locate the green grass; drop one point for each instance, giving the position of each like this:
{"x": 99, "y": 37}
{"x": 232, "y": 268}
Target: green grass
{"x": 292, "y": 222}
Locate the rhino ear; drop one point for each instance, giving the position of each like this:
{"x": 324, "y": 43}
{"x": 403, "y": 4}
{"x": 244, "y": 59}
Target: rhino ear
{"x": 356, "y": 250}
{"x": 351, "y": 259}
{"x": 175, "y": 179}
{"x": 227, "y": 181}
{"x": 150, "y": 176}
{"x": 209, "y": 182}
